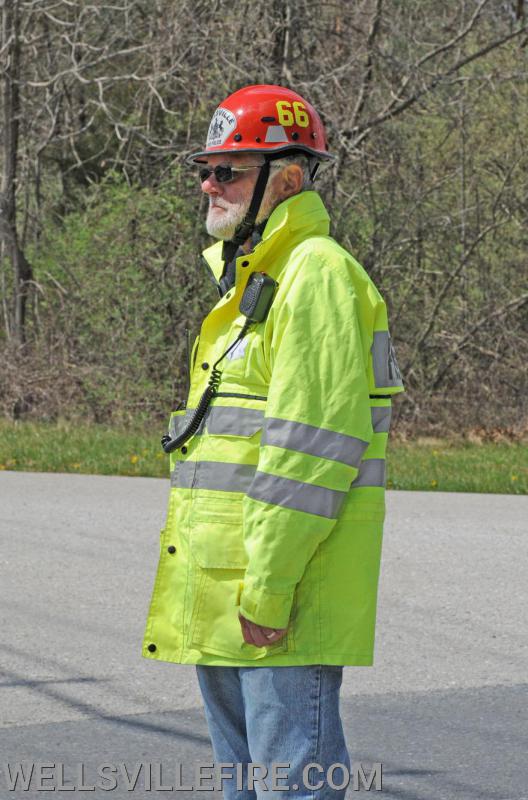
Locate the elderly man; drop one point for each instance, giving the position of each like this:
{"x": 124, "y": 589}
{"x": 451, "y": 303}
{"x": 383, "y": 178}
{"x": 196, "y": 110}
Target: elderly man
{"x": 270, "y": 554}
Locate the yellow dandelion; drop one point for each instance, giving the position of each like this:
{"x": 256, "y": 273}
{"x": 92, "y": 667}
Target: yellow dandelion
{"x": 3, "y": 466}
{"x": 134, "y": 459}
{"x": 515, "y": 477}
{"x": 434, "y": 484}
{"x": 75, "y": 466}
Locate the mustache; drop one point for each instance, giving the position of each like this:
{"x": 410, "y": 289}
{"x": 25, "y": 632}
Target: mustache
{"x": 214, "y": 203}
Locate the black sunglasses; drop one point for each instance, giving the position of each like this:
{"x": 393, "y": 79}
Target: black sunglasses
{"x": 224, "y": 173}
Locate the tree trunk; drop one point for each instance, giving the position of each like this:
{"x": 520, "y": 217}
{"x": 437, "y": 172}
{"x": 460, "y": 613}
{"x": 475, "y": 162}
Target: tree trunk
{"x": 11, "y": 122}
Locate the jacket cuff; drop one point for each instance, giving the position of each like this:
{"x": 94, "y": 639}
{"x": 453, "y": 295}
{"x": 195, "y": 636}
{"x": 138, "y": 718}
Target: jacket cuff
{"x": 265, "y": 608}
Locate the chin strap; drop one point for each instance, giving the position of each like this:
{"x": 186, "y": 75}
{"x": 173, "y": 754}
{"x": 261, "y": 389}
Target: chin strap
{"x": 244, "y": 230}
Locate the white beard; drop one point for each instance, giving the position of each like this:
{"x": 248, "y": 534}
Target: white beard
{"x": 223, "y": 218}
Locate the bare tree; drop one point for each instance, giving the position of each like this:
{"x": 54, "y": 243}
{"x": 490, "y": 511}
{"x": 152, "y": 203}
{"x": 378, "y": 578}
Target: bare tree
{"x": 425, "y": 107}
{"x": 10, "y": 46}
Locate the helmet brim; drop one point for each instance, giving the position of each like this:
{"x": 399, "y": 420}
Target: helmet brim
{"x": 269, "y": 153}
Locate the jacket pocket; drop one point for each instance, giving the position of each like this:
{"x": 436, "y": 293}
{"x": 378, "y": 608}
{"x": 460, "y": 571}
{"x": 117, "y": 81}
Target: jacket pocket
{"x": 216, "y": 540}
{"x": 218, "y": 550}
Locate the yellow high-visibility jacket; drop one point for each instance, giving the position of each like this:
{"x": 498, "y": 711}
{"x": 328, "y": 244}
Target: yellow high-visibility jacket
{"x": 276, "y": 505}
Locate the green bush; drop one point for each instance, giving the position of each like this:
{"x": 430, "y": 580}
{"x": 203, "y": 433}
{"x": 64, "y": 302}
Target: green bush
{"x": 119, "y": 282}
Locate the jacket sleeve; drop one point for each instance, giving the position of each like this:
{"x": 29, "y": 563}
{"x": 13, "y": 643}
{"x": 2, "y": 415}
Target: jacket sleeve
{"x": 316, "y": 428}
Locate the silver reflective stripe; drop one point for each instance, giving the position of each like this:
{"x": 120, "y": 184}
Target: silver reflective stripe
{"x": 313, "y": 441}
{"x": 182, "y": 474}
{"x": 234, "y": 420}
{"x": 229, "y": 420}
{"x": 381, "y": 418}
{"x": 371, "y": 473}
{"x": 178, "y": 423}
{"x": 300, "y": 496}
{"x": 384, "y": 364}
{"x": 218, "y": 475}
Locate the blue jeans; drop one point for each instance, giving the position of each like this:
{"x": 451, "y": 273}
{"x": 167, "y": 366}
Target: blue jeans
{"x": 276, "y": 715}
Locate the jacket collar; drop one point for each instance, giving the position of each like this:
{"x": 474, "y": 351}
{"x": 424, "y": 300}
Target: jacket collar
{"x": 294, "y": 219}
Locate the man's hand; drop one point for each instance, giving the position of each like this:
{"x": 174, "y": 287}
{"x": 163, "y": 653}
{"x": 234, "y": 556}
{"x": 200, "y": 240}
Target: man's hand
{"x": 259, "y": 635}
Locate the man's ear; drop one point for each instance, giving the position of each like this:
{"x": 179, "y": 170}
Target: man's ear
{"x": 290, "y": 180}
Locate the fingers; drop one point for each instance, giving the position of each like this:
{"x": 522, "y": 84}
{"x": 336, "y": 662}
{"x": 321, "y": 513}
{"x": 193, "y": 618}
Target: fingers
{"x": 246, "y": 633}
{"x": 272, "y": 635}
{"x": 260, "y": 635}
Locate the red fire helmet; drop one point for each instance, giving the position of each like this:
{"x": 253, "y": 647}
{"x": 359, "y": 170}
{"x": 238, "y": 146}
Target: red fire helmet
{"x": 265, "y": 119}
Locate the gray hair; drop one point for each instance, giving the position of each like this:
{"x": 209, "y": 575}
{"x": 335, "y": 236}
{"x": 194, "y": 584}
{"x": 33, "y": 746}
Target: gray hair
{"x": 305, "y": 162}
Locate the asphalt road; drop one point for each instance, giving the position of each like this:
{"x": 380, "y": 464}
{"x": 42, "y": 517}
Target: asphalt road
{"x": 444, "y": 709}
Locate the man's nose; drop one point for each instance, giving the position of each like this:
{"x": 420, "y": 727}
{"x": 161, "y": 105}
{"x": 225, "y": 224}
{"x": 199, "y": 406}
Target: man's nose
{"x": 211, "y": 186}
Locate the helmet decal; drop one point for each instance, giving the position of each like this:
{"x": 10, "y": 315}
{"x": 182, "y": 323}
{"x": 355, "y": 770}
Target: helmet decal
{"x": 222, "y": 125}
{"x": 276, "y": 133}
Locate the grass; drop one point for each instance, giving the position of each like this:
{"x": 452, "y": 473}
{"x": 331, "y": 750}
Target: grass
{"x": 432, "y": 465}
{"x": 459, "y": 466}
